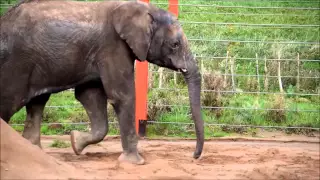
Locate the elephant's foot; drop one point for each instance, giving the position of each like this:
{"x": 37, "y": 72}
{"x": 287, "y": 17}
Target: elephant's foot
{"x": 133, "y": 158}
{"x": 37, "y": 143}
{"x": 77, "y": 142}
{"x": 32, "y": 139}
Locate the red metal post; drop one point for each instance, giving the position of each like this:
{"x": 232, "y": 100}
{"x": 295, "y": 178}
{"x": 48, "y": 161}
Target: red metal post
{"x": 141, "y": 87}
{"x": 174, "y": 7}
{"x": 141, "y": 81}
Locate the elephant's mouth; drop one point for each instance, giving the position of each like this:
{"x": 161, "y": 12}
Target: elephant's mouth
{"x": 183, "y": 70}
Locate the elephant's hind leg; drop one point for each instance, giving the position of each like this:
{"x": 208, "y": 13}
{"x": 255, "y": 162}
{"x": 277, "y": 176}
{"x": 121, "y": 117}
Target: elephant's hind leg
{"x": 94, "y": 100}
{"x": 34, "y": 118}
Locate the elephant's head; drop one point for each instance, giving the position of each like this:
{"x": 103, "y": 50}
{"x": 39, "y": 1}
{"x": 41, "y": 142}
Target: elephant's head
{"x": 156, "y": 36}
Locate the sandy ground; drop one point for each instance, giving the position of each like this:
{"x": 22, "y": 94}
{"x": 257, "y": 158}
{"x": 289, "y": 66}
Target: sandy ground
{"x": 220, "y": 160}
{"x": 165, "y": 159}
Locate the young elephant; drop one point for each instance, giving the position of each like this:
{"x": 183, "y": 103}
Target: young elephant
{"x": 50, "y": 46}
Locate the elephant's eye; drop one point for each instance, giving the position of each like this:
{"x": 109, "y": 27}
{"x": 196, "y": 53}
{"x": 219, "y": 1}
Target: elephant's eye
{"x": 176, "y": 44}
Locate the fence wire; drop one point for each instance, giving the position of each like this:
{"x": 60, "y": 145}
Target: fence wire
{"x": 192, "y": 124}
{"x": 247, "y": 14}
{"x": 252, "y": 41}
{"x": 242, "y": 7}
{"x": 259, "y": 25}
{"x": 220, "y": 91}
{"x": 259, "y": 59}
{"x": 251, "y": 1}
{"x": 248, "y": 75}
{"x": 209, "y": 107}
{"x": 242, "y": 92}
{"x": 303, "y": 75}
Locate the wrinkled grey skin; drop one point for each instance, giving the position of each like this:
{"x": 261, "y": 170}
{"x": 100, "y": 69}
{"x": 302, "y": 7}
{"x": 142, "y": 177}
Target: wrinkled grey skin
{"x": 50, "y": 46}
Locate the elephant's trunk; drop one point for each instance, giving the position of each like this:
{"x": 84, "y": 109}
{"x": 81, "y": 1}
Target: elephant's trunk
{"x": 193, "y": 79}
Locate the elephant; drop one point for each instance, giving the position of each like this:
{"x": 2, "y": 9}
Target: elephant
{"x": 48, "y": 46}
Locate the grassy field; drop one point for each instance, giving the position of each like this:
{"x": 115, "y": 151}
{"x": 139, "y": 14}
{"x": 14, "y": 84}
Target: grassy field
{"x": 206, "y": 42}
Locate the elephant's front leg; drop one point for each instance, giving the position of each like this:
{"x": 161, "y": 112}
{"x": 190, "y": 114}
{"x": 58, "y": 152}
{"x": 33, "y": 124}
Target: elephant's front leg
{"x": 34, "y": 118}
{"x": 120, "y": 89}
{"x": 125, "y": 110}
{"x": 92, "y": 97}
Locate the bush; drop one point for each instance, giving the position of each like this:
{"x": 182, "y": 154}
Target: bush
{"x": 213, "y": 82}
{"x": 278, "y": 115}
{"x": 156, "y": 102}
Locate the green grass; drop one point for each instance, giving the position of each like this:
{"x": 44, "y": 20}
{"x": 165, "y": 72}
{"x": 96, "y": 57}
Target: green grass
{"x": 168, "y": 119}
{"x": 238, "y": 50}
{"x": 254, "y": 33}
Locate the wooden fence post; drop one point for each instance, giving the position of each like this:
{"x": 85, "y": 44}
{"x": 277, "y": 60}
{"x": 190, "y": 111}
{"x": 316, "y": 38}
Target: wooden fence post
{"x": 266, "y": 74}
{"x": 257, "y": 72}
{"x": 298, "y": 72}
{"x": 161, "y": 78}
{"x": 226, "y": 71}
{"x": 141, "y": 88}
{"x": 279, "y": 72}
{"x": 232, "y": 61}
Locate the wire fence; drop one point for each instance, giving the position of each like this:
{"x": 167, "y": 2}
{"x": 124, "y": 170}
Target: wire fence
{"x": 242, "y": 7}
{"x": 209, "y": 107}
{"x": 254, "y": 59}
{"x": 247, "y": 14}
{"x": 259, "y": 65}
{"x": 179, "y": 123}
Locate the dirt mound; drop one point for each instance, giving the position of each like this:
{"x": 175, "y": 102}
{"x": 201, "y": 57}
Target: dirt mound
{"x": 22, "y": 160}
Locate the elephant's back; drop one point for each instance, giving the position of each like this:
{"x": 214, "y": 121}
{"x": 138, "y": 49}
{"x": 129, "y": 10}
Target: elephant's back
{"x": 44, "y": 10}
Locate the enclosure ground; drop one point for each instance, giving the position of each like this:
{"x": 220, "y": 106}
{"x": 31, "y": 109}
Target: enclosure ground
{"x": 221, "y": 159}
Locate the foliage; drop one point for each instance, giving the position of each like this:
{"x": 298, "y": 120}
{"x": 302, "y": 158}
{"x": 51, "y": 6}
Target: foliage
{"x": 213, "y": 82}
{"x": 277, "y": 114}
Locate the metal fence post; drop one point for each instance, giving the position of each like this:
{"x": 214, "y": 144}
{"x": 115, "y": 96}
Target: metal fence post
{"x": 174, "y": 7}
{"x": 141, "y": 87}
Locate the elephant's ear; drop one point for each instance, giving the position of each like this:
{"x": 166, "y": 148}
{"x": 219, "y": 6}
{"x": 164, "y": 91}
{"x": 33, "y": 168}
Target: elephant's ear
{"x": 133, "y": 23}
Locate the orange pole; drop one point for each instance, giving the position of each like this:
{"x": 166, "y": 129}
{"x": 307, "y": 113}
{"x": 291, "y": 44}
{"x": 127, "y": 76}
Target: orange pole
{"x": 174, "y": 7}
{"x": 141, "y": 87}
